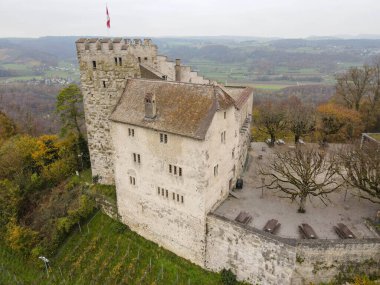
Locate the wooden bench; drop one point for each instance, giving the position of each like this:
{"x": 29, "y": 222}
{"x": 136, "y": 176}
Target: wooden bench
{"x": 307, "y": 231}
{"x": 243, "y": 218}
{"x": 272, "y": 226}
{"x": 343, "y": 231}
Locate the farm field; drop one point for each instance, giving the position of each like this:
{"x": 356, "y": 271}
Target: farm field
{"x": 104, "y": 252}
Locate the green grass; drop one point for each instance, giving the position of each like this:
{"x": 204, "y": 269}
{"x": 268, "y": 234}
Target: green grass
{"x": 105, "y": 252}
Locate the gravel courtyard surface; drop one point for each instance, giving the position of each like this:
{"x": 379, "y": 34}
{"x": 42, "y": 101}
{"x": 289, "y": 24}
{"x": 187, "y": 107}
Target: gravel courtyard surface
{"x": 349, "y": 210}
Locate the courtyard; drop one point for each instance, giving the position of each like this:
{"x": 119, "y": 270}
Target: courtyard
{"x": 264, "y": 204}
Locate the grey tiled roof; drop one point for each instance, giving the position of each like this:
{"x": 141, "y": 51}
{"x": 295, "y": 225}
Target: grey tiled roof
{"x": 182, "y": 108}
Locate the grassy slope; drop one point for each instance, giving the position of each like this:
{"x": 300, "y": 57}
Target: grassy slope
{"x": 104, "y": 253}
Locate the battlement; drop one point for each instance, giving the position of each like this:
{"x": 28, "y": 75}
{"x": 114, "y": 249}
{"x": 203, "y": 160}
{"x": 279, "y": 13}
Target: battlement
{"x": 109, "y": 44}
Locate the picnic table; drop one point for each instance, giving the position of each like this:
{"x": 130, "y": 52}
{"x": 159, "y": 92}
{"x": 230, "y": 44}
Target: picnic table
{"x": 343, "y": 231}
{"x": 243, "y": 218}
{"x": 272, "y": 226}
{"x": 307, "y": 231}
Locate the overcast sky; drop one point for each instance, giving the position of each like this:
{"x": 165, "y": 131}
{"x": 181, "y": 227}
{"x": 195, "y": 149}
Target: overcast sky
{"x": 282, "y": 18}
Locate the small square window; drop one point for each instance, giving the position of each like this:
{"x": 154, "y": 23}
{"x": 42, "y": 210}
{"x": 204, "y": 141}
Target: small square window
{"x": 170, "y": 168}
{"x": 145, "y": 58}
{"x": 180, "y": 171}
{"x": 165, "y": 138}
{"x": 93, "y": 64}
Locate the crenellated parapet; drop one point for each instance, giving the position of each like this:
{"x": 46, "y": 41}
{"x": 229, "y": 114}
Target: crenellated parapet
{"x": 115, "y": 44}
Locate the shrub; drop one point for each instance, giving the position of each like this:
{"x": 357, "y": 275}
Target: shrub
{"x": 21, "y": 239}
{"x": 228, "y": 277}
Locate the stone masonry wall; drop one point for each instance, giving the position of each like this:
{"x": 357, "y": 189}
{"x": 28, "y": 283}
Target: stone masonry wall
{"x": 253, "y": 257}
{"x": 261, "y": 258}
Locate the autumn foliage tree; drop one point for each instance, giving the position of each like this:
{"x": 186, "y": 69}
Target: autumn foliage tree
{"x": 338, "y": 123}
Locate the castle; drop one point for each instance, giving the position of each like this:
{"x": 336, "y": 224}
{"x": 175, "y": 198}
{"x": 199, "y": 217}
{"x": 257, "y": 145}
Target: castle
{"x": 174, "y": 144}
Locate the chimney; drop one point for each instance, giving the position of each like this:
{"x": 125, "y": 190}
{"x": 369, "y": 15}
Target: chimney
{"x": 150, "y": 106}
{"x": 177, "y": 70}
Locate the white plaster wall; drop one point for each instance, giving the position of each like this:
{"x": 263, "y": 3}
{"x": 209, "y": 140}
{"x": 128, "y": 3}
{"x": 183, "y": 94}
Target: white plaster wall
{"x": 220, "y": 154}
{"x": 176, "y": 226}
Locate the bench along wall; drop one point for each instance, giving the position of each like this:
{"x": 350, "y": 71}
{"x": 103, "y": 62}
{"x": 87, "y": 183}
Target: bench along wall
{"x": 261, "y": 258}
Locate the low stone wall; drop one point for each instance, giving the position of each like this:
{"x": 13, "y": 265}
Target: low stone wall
{"x": 261, "y": 258}
{"x": 322, "y": 260}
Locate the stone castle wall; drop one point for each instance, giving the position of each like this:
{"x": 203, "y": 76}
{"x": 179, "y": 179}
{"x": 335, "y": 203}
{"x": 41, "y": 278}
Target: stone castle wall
{"x": 261, "y": 258}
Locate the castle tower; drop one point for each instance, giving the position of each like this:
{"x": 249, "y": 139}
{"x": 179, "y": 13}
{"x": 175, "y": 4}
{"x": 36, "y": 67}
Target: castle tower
{"x": 105, "y": 64}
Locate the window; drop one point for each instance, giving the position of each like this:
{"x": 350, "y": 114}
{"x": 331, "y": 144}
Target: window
{"x": 167, "y": 193}
{"x": 173, "y": 196}
{"x": 176, "y": 170}
{"x": 132, "y": 180}
{"x": 158, "y": 190}
{"x": 93, "y": 64}
{"x": 177, "y": 197}
{"x": 182, "y": 199}
{"x": 145, "y": 58}
{"x": 225, "y": 114}
{"x": 139, "y": 58}
{"x": 216, "y": 170}
{"x": 131, "y": 132}
{"x": 136, "y": 158}
{"x": 120, "y": 61}
{"x": 104, "y": 84}
{"x": 163, "y": 138}
{"x": 223, "y": 137}
{"x": 115, "y": 60}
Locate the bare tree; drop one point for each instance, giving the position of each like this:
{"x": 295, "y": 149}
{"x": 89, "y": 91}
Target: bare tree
{"x": 374, "y": 84}
{"x": 302, "y": 173}
{"x": 361, "y": 169}
{"x": 301, "y": 118}
{"x": 271, "y": 119}
{"x": 353, "y": 85}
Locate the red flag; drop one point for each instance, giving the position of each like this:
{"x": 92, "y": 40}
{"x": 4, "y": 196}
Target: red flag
{"x": 108, "y": 18}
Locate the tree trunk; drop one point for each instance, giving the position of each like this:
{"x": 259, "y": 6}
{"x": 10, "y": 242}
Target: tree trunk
{"x": 272, "y": 139}
{"x": 301, "y": 209}
{"x": 296, "y": 139}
